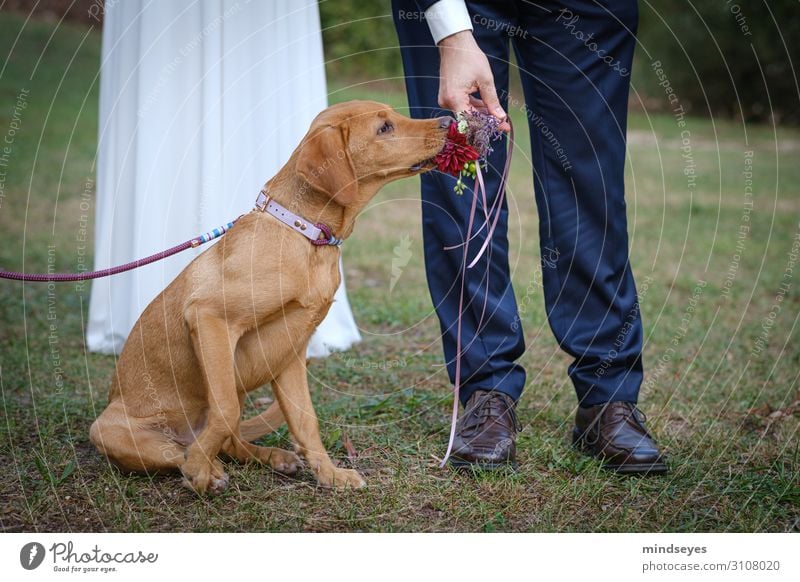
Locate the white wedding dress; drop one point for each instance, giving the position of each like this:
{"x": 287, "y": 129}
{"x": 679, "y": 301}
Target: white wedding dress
{"x": 201, "y": 102}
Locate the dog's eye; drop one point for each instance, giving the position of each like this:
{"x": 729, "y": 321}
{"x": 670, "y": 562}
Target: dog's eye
{"x": 385, "y": 128}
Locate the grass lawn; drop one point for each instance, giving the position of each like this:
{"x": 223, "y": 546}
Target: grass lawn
{"x": 721, "y": 351}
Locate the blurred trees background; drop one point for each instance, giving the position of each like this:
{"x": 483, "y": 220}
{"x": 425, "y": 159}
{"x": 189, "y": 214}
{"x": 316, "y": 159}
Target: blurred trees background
{"x": 733, "y": 58}
{"x": 360, "y": 40}
{"x": 722, "y": 57}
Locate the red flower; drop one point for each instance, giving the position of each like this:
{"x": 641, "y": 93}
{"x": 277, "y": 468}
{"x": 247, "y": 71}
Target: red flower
{"x": 456, "y": 152}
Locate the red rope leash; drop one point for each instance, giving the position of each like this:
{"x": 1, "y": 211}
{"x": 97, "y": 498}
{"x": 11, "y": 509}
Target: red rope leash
{"x": 64, "y": 277}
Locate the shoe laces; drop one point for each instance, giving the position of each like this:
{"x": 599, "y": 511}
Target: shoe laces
{"x": 619, "y": 414}
{"x": 490, "y": 406}
{"x": 630, "y": 411}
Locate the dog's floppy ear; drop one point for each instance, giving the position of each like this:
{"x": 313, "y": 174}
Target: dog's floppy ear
{"x": 324, "y": 163}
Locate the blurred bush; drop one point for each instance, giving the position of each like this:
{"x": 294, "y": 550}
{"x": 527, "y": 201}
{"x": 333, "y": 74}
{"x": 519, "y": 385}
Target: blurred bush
{"x": 360, "y": 40}
{"x": 84, "y": 11}
{"x": 722, "y": 57}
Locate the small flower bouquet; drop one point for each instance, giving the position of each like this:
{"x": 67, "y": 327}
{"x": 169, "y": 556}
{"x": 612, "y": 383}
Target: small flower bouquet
{"x": 469, "y": 142}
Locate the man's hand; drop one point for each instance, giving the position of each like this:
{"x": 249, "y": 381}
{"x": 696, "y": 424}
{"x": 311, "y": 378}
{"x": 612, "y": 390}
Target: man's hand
{"x": 465, "y": 70}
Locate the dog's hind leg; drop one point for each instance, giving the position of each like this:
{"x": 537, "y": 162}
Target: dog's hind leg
{"x": 243, "y": 451}
{"x": 251, "y": 429}
{"x": 265, "y": 423}
{"x": 282, "y": 461}
{"x": 133, "y": 444}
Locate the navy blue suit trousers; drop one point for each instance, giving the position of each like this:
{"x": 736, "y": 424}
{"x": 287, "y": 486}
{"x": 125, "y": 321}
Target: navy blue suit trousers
{"x": 574, "y": 60}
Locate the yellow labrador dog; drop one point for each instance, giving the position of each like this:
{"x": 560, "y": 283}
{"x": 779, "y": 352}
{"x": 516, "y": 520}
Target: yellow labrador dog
{"x": 241, "y": 314}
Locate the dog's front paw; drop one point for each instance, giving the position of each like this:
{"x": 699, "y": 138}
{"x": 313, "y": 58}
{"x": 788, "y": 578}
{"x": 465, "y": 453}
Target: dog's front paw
{"x": 202, "y": 476}
{"x": 340, "y": 478}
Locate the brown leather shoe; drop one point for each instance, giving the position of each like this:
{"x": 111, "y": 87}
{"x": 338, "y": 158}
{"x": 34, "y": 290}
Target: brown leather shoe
{"x": 486, "y": 433}
{"x": 615, "y": 434}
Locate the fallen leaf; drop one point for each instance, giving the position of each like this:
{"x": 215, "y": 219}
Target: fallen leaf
{"x": 352, "y": 453}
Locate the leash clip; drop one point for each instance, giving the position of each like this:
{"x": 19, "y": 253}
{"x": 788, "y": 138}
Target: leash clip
{"x": 329, "y": 239}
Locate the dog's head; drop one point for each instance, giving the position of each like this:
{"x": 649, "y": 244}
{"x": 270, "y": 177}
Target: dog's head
{"x": 353, "y": 149}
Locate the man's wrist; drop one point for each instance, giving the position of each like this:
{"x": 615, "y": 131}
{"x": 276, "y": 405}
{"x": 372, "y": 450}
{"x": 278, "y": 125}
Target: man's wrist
{"x": 461, "y": 39}
{"x": 446, "y": 18}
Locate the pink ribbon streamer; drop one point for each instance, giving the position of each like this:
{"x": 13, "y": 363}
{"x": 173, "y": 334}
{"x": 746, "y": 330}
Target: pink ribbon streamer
{"x": 492, "y": 213}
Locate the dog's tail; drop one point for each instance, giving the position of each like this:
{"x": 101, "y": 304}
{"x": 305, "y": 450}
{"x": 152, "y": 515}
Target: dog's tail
{"x": 268, "y": 421}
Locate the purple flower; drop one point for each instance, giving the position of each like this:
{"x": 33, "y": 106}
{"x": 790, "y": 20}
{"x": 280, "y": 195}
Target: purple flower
{"x": 481, "y": 129}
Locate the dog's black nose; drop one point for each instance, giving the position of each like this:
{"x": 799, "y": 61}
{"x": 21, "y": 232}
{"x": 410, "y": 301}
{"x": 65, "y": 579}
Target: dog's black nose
{"x": 445, "y": 121}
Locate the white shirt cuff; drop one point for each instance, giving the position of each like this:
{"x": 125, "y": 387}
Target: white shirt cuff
{"x": 447, "y": 17}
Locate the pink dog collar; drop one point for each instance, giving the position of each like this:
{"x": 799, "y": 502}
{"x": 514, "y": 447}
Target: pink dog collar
{"x": 319, "y": 234}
